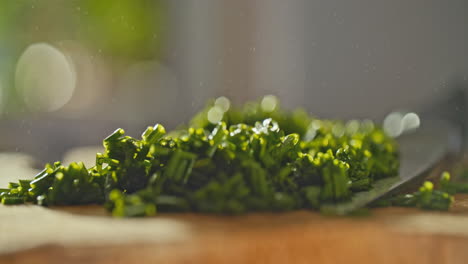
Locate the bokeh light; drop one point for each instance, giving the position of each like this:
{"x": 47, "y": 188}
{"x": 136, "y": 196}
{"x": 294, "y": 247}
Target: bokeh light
{"x": 223, "y": 103}
{"x": 352, "y": 126}
{"x": 398, "y": 123}
{"x": 215, "y": 114}
{"x": 269, "y": 103}
{"x": 392, "y": 124}
{"x": 45, "y": 78}
{"x": 410, "y": 121}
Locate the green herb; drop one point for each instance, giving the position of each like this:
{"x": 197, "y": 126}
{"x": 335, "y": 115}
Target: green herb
{"x": 427, "y": 197}
{"x": 452, "y": 187}
{"x": 230, "y": 160}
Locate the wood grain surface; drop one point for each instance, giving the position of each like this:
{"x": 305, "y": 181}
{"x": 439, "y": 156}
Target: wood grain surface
{"x": 388, "y": 235}
{"x": 87, "y": 234}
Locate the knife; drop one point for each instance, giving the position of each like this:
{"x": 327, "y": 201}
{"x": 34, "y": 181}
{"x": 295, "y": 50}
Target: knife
{"x": 441, "y": 135}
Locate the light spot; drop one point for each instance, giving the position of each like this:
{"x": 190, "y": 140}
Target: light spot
{"x": 215, "y": 114}
{"x": 338, "y": 130}
{"x": 92, "y": 78}
{"x": 393, "y": 124}
{"x": 367, "y": 125}
{"x": 45, "y": 78}
{"x": 223, "y": 103}
{"x": 269, "y": 103}
{"x": 352, "y": 127}
{"x": 410, "y": 121}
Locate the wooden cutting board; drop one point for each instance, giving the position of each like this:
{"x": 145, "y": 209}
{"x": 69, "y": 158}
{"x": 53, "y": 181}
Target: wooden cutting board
{"x": 32, "y": 234}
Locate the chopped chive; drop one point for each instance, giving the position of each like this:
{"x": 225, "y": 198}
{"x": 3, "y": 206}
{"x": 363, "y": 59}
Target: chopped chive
{"x": 255, "y": 158}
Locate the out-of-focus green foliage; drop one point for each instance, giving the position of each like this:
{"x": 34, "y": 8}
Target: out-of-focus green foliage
{"x": 8, "y": 11}
{"x": 245, "y": 161}
{"x": 121, "y": 28}
{"x": 132, "y": 28}
{"x": 116, "y": 30}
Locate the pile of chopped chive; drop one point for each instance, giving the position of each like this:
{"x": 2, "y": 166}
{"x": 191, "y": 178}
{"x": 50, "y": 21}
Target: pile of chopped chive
{"x": 229, "y": 160}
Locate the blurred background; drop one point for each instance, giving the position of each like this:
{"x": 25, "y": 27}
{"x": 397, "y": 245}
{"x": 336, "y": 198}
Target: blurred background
{"x": 72, "y": 71}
